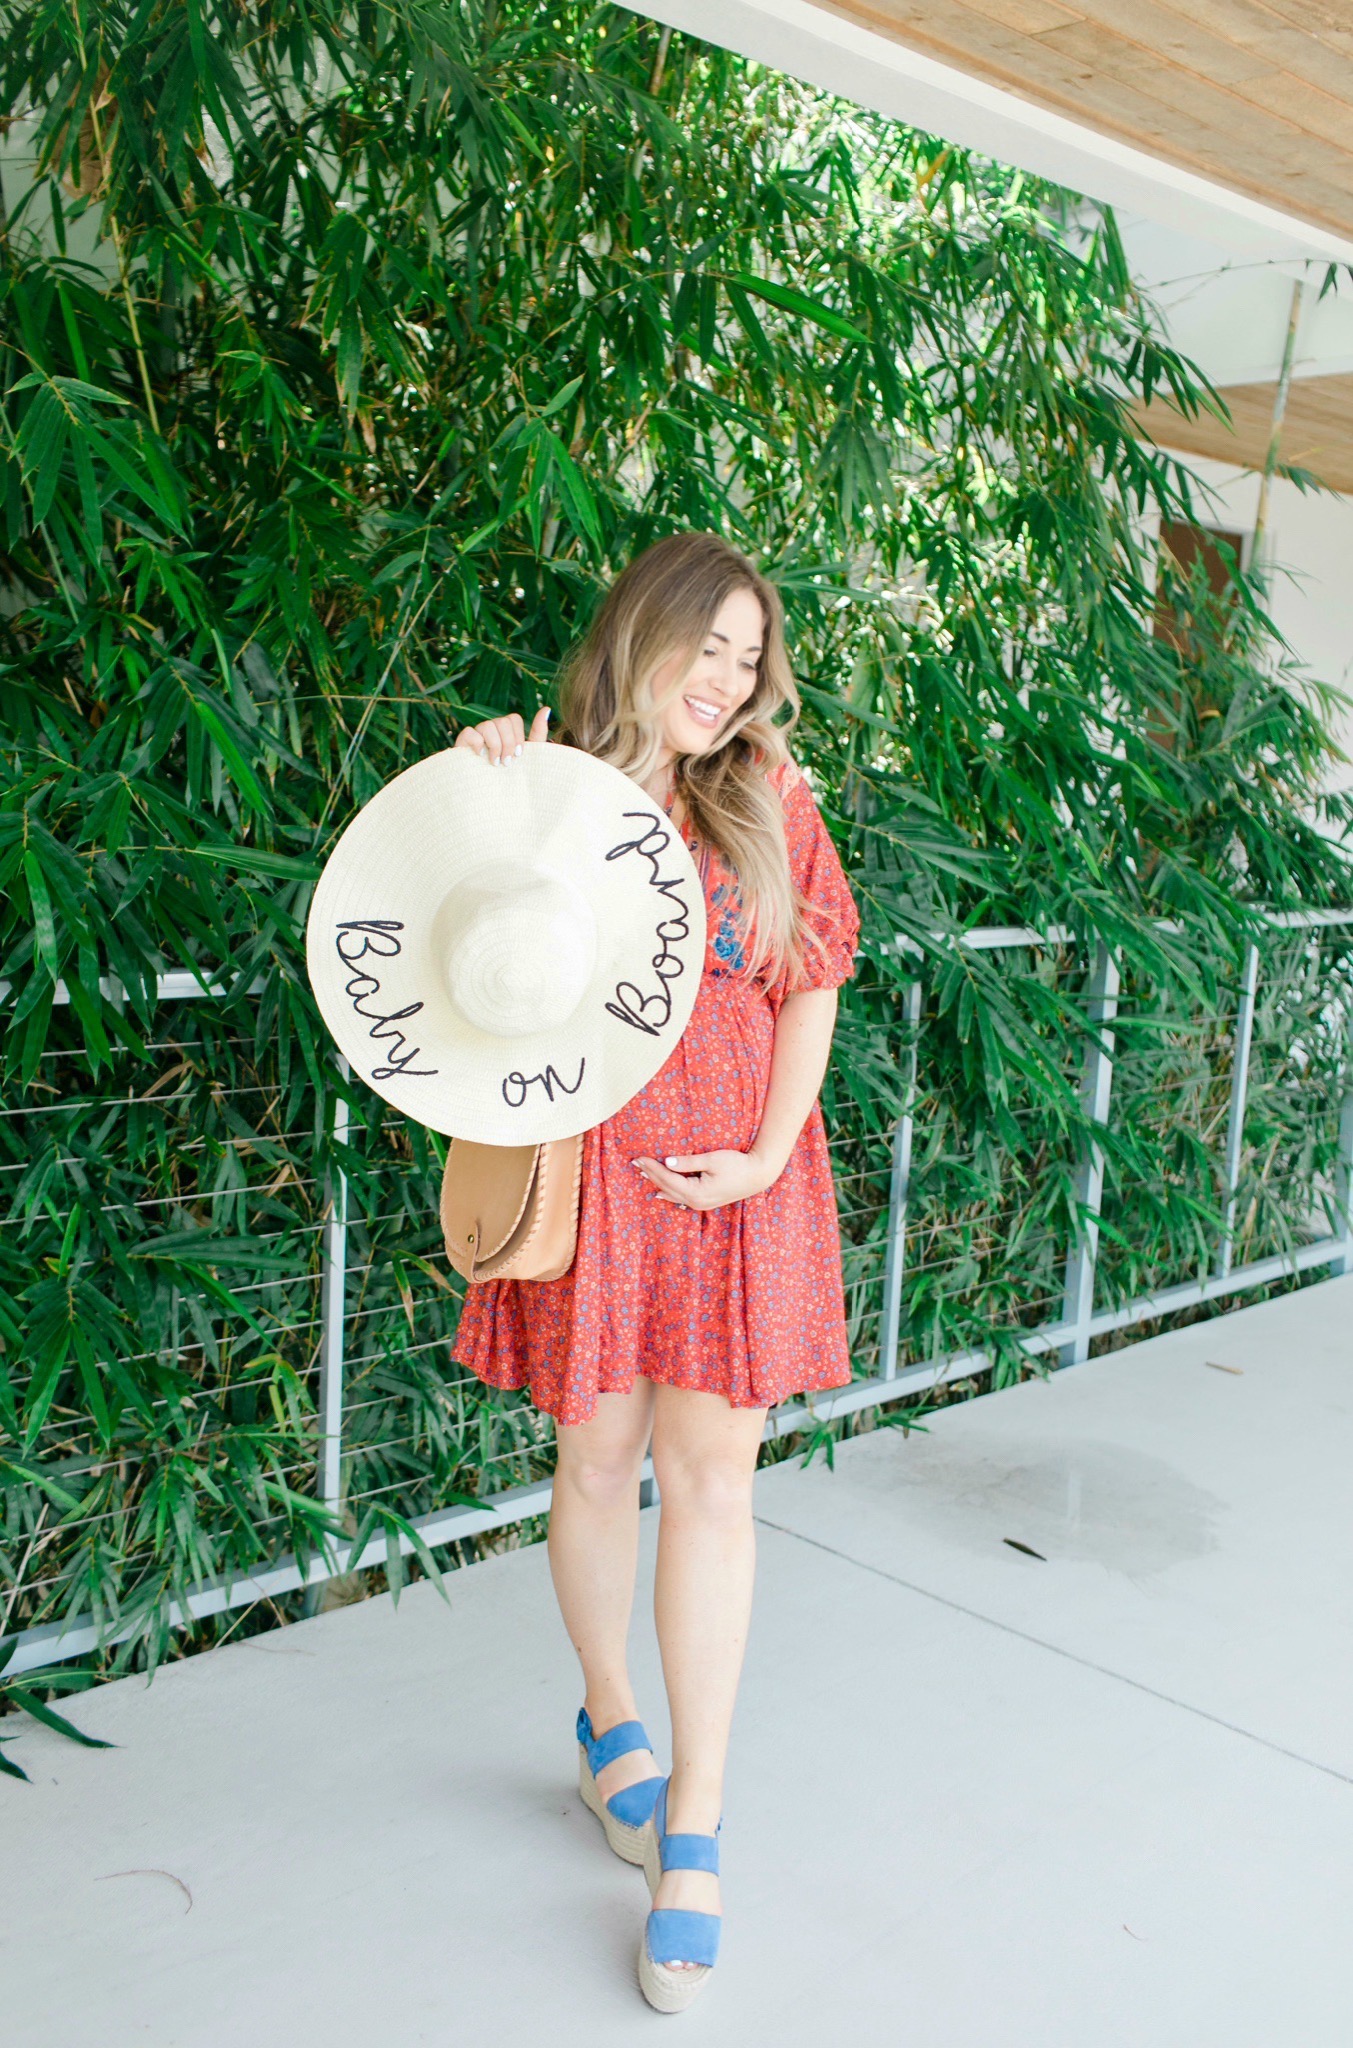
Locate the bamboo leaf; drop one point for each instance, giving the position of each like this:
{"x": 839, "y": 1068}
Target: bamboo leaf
{"x": 44, "y": 924}
{"x": 210, "y": 718}
{"x": 578, "y": 287}
{"x": 791, "y": 300}
{"x": 48, "y": 1716}
{"x": 258, "y": 860}
{"x": 576, "y": 493}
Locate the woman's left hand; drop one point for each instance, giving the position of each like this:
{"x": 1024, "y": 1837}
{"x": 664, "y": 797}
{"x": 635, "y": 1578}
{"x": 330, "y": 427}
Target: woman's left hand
{"x": 707, "y": 1180}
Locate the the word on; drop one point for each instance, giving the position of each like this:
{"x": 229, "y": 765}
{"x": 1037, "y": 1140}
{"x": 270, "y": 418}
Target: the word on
{"x": 516, "y": 1084}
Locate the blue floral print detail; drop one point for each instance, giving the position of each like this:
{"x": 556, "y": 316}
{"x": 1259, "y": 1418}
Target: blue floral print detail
{"x": 728, "y": 937}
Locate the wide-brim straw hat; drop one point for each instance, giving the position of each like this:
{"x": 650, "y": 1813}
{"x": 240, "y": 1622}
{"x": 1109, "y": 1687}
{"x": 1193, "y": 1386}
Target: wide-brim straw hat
{"x": 508, "y": 952}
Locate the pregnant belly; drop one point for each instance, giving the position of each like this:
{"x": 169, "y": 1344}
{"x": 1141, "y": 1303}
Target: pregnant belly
{"x": 709, "y": 1095}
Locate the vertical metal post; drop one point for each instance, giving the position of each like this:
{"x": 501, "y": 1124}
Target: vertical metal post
{"x": 890, "y": 1324}
{"x": 1078, "y": 1300}
{"x": 334, "y": 1268}
{"x": 1240, "y": 1088}
{"x": 1343, "y": 1181}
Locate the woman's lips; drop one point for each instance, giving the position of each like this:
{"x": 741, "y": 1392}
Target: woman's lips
{"x": 703, "y": 712}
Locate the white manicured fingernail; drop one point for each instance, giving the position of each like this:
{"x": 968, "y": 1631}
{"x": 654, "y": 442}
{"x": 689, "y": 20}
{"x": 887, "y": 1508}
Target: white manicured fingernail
{"x": 517, "y": 749}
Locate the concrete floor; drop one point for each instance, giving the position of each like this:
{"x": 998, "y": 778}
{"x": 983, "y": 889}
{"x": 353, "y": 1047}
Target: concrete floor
{"x": 976, "y": 1797}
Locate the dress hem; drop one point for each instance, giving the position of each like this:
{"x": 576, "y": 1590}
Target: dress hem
{"x": 523, "y": 1386}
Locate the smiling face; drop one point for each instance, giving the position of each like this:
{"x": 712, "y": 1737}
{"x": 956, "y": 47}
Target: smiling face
{"x": 694, "y": 710}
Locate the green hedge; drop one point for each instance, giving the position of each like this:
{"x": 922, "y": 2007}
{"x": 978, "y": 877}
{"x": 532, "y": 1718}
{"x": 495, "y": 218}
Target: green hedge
{"x": 345, "y": 352}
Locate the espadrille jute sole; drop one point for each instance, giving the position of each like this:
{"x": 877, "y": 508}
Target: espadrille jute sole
{"x": 627, "y": 1842}
{"x": 668, "y": 1990}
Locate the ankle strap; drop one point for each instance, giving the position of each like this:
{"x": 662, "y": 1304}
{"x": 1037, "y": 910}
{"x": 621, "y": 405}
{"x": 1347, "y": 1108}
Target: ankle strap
{"x": 617, "y": 1741}
{"x": 684, "y": 1852}
{"x": 690, "y": 1852}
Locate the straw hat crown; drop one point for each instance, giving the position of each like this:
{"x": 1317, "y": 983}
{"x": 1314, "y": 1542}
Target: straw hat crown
{"x": 508, "y": 953}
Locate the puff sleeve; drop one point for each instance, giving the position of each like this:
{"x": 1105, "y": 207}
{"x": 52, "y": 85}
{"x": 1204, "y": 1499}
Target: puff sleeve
{"x": 830, "y": 916}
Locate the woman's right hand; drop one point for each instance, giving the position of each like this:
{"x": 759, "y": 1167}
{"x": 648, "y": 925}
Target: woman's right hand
{"x": 498, "y": 739}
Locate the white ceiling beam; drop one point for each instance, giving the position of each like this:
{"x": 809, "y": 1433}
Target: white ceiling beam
{"x": 824, "y": 49}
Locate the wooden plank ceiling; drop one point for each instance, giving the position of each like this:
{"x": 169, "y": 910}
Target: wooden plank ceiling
{"x": 1317, "y": 428}
{"x": 1255, "y": 94}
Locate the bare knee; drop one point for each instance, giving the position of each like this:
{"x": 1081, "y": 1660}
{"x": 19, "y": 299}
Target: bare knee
{"x": 605, "y": 1479}
{"x": 708, "y": 1489}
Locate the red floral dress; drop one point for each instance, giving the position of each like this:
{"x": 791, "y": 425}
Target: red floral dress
{"x": 745, "y": 1300}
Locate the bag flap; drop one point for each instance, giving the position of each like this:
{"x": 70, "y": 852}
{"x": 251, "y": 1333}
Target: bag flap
{"x": 485, "y": 1190}
{"x": 543, "y": 1244}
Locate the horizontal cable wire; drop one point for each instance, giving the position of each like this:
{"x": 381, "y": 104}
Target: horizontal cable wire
{"x": 371, "y": 1493}
{"x": 405, "y": 1351}
{"x": 184, "y": 1094}
{"x": 259, "y": 1192}
{"x": 464, "y": 1379}
{"x": 137, "y": 1505}
{"x": 188, "y": 1343}
{"x": 984, "y": 1255}
{"x": 257, "y": 1141}
{"x": 193, "y": 1343}
{"x": 996, "y": 1261}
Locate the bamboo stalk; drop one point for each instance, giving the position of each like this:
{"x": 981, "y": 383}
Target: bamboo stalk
{"x": 1276, "y": 429}
{"x": 114, "y": 233}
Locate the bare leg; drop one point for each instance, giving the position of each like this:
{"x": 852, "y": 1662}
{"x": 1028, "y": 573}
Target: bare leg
{"x": 704, "y": 1456}
{"x": 593, "y": 1546}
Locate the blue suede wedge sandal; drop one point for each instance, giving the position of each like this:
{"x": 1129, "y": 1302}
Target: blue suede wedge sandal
{"x": 672, "y": 1936}
{"x": 626, "y": 1812}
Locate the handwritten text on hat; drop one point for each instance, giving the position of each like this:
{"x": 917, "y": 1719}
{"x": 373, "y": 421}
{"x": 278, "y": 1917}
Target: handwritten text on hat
{"x": 631, "y": 1005}
{"x": 359, "y": 938}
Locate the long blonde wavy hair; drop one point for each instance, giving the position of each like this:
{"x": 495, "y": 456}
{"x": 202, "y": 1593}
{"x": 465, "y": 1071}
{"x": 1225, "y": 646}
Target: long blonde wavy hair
{"x": 661, "y": 607}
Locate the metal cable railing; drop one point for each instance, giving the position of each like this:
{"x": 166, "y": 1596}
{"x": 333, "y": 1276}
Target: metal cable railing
{"x": 1046, "y": 1312}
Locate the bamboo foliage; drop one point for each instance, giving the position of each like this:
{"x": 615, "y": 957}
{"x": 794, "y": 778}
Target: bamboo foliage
{"x": 344, "y": 352}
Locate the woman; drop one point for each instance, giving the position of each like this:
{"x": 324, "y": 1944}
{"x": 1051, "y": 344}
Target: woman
{"x": 707, "y": 1283}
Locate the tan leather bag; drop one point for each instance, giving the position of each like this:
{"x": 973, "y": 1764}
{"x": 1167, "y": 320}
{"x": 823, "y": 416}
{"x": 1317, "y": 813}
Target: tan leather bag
{"x": 510, "y": 1212}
